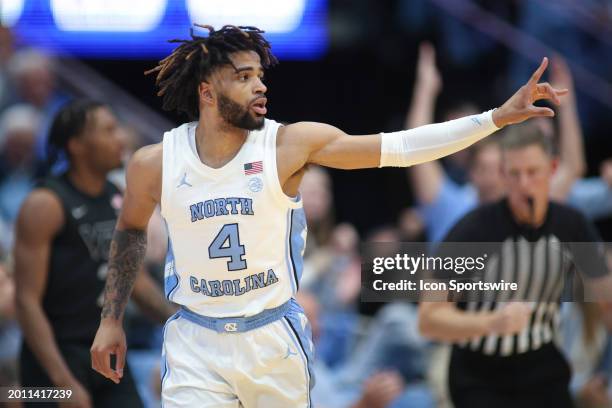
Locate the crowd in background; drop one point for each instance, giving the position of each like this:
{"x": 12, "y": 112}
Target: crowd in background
{"x": 368, "y": 355}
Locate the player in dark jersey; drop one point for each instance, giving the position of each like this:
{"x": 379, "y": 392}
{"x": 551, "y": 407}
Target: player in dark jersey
{"x": 62, "y": 244}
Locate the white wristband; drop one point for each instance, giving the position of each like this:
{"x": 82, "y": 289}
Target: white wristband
{"x": 422, "y": 144}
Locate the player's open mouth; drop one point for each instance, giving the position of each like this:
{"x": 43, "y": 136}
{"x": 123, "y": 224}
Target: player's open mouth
{"x": 259, "y": 106}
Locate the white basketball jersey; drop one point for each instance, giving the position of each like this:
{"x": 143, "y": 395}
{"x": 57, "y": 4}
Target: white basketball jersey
{"x": 235, "y": 239}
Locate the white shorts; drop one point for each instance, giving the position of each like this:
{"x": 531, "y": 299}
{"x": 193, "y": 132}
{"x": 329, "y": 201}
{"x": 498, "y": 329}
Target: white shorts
{"x": 267, "y": 367}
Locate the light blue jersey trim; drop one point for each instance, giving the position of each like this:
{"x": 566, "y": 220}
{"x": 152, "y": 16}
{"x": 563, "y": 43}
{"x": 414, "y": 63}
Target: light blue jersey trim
{"x": 297, "y": 244}
{"x": 290, "y": 270}
{"x": 171, "y": 282}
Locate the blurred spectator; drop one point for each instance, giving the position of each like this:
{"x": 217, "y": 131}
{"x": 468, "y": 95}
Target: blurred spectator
{"x": 561, "y": 25}
{"x": 31, "y": 73}
{"x": 378, "y": 378}
{"x": 131, "y": 141}
{"x": 6, "y": 45}
{"x": 381, "y": 390}
{"x": 345, "y": 239}
{"x": 464, "y": 46}
{"x": 388, "y": 353}
{"x": 336, "y": 287}
{"x": 10, "y": 336}
{"x": 316, "y": 192}
{"x": 18, "y": 127}
{"x": 6, "y": 50}
{"x": 411, "y": 225}
{"x": 392, "y": 342}
{"x": 593, "y": 195}
{"x": 442, "y": 201}
{"x": 606, "y": 171}
{"x": 325, "y": 256}
{"x": 587, "y": 346}
{"x": 331, "y": 267}
{"x": 384, "y": 233}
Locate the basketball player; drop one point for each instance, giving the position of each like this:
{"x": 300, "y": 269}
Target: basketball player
{"x": 228, "y": 185}
{"x": 63, "y": 235}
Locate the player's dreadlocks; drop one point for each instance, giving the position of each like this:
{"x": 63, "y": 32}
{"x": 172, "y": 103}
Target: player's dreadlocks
{"x": 180, "y": 73}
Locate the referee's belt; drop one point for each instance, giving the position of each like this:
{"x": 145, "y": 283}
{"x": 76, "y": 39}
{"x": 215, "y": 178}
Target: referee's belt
{"x": 237, "y": 324}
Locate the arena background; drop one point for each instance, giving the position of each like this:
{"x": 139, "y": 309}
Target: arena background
{"x": 363, "y": 83}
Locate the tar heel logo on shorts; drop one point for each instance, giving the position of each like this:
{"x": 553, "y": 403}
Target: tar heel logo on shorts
{"x": 230, "y": 327}
{"x": 255, "y": 184}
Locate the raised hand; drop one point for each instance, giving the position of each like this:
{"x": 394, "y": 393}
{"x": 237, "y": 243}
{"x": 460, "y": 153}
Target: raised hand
{"x": 520, "y": 105}
{"x": 428, "y": 75}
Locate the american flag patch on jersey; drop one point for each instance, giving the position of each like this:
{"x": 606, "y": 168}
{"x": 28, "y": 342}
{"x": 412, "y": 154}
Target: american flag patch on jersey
{"x": 253, "y": 168}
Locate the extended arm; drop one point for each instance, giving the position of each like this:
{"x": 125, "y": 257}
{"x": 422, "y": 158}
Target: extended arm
{"x": 326, "y": 145}
{"x": 126, "y": 257}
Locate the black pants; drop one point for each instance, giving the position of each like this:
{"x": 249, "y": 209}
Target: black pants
{"x": 104, "y": 393}
{"x": 534, "y": 379}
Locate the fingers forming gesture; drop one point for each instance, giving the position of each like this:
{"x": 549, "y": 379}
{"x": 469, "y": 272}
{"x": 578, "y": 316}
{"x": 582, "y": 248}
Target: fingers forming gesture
{"x": 520, "y": 106}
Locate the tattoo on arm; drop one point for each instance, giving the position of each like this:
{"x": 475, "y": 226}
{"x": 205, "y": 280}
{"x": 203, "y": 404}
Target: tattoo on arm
{"x": 127, "y": 253}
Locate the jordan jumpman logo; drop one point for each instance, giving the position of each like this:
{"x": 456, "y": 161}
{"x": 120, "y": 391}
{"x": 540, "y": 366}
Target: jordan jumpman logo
{"x": 184, "y": 182}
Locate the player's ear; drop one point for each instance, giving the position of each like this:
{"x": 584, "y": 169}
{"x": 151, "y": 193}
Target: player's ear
{"x": 74, "y": 147}
{"x": 206, "y": 93}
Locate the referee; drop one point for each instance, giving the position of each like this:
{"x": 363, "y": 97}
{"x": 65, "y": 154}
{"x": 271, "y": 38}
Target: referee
{"x": 62, "y": 243}
{"x": 505, "y": 354}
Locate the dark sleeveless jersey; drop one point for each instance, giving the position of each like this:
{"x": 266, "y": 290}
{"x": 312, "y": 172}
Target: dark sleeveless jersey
{"x": 78, "y": 261}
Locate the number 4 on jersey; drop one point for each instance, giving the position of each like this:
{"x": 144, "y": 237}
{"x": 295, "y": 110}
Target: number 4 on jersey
{"x": 227, "y": 245}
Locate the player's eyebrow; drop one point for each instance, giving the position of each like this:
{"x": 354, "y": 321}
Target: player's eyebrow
{"x": 246, "y": 68}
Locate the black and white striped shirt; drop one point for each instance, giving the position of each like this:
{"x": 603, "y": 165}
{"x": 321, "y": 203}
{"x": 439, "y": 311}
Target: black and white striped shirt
{"x": 537, "y": 259}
